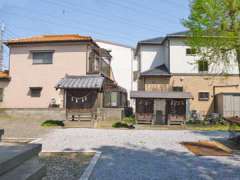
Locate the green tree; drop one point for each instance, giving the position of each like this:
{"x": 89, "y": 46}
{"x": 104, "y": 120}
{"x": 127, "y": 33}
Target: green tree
{"x": 214, "y": 31}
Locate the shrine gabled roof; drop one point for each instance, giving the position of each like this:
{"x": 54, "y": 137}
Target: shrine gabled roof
{"x": 81, "y": 82}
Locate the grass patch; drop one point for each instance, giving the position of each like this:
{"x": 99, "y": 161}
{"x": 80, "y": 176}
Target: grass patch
{"x": 213, "y": 127}
{"x": 52, "y": 123}
{"x": 127, "y": 122}
{"x": 122, "y": 125}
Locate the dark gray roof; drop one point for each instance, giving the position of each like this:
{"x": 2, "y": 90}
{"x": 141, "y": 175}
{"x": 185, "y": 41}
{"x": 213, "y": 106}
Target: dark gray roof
{"x": 178, "y": 34}
{"x": 81, "y": 82}
{"x": 160, "y": 95}
{"x": 161, "y": 70}
{"x": 160, "y": 40}
{"x": 157, "y": 40}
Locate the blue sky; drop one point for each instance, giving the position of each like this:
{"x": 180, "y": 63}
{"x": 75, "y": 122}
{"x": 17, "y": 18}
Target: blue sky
{"x": 125, "y": 21}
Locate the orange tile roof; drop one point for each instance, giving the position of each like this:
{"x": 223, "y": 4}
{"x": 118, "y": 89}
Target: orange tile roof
{"x": 49, "y": 38}
{"x": 4, "y": 75}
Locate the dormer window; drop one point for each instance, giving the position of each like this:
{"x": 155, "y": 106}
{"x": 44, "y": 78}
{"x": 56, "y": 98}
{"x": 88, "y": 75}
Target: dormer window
{"x": 42, "y": 57}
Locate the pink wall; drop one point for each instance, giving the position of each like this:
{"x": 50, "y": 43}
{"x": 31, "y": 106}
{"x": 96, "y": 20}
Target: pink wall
{"x": 67, "y": 59}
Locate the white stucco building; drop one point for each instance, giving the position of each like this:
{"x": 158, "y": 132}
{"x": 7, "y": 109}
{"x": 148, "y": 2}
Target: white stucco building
{"x": 172, "y": 51}
{"x": 123, "y": 63}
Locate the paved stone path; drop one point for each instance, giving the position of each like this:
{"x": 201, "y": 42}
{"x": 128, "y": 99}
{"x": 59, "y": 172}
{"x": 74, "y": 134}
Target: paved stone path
{"x": 145, "y": 154}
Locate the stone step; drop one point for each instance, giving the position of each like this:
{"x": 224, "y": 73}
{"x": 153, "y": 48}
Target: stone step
{"x": 79, "y": 118}
{"x": 1, "y": 133}
{"x": 31, "y": 169}
{"x": 78, "y": 124}
{"x": 176, "y": 122}
{"x": 12, "y": 155}
{"x": 105, "y": 124}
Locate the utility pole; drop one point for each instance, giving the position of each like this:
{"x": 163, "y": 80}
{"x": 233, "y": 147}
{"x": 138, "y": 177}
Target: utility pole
{"x": 1, "y": 45}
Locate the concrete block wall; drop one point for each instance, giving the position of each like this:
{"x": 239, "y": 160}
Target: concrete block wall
{"x": 39, "y": 114}
{"x": 113, "y": 114}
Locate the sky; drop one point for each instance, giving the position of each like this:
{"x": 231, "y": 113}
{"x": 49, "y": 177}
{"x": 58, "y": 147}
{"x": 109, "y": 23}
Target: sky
{"x": 122, "y": 21}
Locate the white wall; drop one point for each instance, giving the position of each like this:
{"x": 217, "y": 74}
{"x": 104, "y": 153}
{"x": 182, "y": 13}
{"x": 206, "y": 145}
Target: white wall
{"x": 182, "y": 63}
{"x": 153, "y": 55}
{"x": 179, "y": 61}
{"x": 122, "y": 62}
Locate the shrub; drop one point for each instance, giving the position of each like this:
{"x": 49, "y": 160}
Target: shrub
{"x": 214, "y": 119}
{"x": 120, "y": 125}
{"x": 128, "y": 112}
{"x": 50, "y": 123}
{"x": 129, "y": 120}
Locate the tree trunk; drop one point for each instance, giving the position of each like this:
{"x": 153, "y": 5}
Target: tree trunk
{"x": 238, "y": 60}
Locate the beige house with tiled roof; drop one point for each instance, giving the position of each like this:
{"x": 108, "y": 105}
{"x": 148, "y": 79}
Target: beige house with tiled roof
{"x": 38, "y": 65}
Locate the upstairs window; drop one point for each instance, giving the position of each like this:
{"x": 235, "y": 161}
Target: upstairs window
{"x": 105, "y": 68}
{"x": 135, "y": 75}
{"x": 35, "y": 91}
{"x": 93, "y": 63}
{"x": 191, "y": 52}
{"x": 178, "y": 89}
{"x": 1, "y": 94}
{"x": 202, "y": 66}
{"x": 203, "y": 96}
{"x": 42, "y": 57}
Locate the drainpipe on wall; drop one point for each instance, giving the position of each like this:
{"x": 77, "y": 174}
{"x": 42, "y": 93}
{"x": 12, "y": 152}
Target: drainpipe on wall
{"x": 214, "y": 93}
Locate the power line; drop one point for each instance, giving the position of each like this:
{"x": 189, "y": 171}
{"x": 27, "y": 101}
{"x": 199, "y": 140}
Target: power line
{"x": 49, "y": 22}
{"x": 93, "y": 12}
{"x": 144, "y": 10}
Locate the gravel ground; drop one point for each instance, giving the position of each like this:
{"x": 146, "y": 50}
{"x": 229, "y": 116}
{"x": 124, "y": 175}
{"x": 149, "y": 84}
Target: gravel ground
{"x": 65, "y": 166}
{"x": 145, "y": 154}
{"x": 23, "y": 128}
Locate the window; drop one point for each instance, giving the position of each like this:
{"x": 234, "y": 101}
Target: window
{"x": 202, "y": 66}
{"x": 144, "y": 106}
{"x": 105, "y": 68}
{"x": 135, "y": 75}
{"x": 191, "y": 52}
{"x": 178, "y": 89}
{"x": 203, "y": 96}
{"x": 93, "y": 63}
{"x": 42, "y": 57}
{"x": 115, "y": 99}
{"x": 1, "y": 94}
{"x": 35, "y": 91}
{"x": 111, "y": 99}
